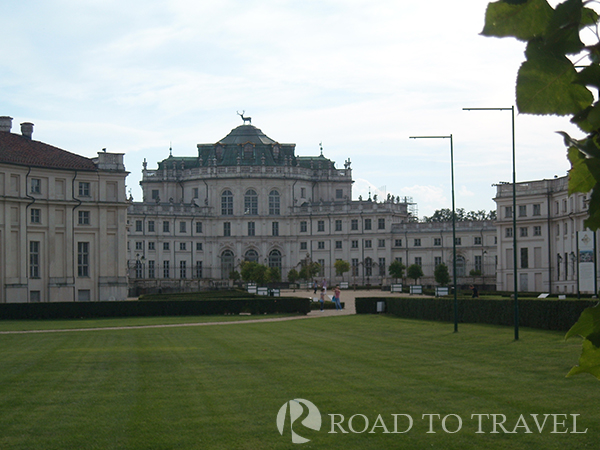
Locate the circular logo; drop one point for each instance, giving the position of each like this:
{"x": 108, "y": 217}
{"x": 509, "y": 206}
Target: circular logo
{"x": 296, "y": 409}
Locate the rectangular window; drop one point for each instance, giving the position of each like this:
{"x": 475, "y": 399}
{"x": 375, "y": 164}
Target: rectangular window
{"x": 321, "y": 245}
{"x": 354, "y": 225}
{"x": 227, "y": 229}
{"x": 367, "y": 243}
{"x": 523, "y": 231}
{"x": 151, "y": 246}
{"x": 84, "y": 189}
{"x": 302, "y": 192}
{"x": 509, "y": 232}
{"x": 198, "y": 269}
{"x": 338, "y": 245}
{"x": 381, "y": 243}
{"x": 195, "y": 193}
{"x": 508, "y": 212}
{"x": 354, "y": 244}
{"x": 321, "y": 225}
{"x": 303, "y": 246}
{"x": 381, "y": 224}
{"x": 84, "y": 217}
{"x": 522, "y": 210}
{"x": 36, "y": 186}
{"x": 524, "y": 258}
{"x": 35, "y": 297}
{"x": 338, "y": 225}
{"x": 36, "y": 215}
{"x": 83, "y": 259}
{"x": 198, "y": 246}
{"x": 155, "y": 194}
{"x": 477, "y": 240}
{"x": 382, "y": 267}
{"x": 322, "y": 266}
{"x": 182, "y": 246}
{"x": 34, "y": 259}
{"x": 419, "y": 261}
{"x": 166, "y": 227}
{"x": 182, "y": 227}
{"x": 303, "y": 227}
{"x": 537, "y": 209}
{"x": 339, "y": 193}
{"x": 275, "y": 228}
{"x": 251, "y": 229}
{"x": 199, "y": 227}
{"x": 84, "y": 295}
{"x": 165, "y": 246}
{"x": 182, "y": 269}
{"x": 537, "y": 230}
{"x": 367, "y": 224}
{"x": 138, "y": 225}
{"x": 478, "y": 263}
{"x": 151, "y": 269}
{"x": 354, "y": 267}
{"x": 437, "y": 242}
{"x": 458, "y": 241}
{"x": 398, "y": 243}
{"x": 139, "y": 245}
{"x": 151, "y": 226}
{"x": 166, "y": 269}
{"x": 437, "y": 260}
{"x": 417, "y": 242}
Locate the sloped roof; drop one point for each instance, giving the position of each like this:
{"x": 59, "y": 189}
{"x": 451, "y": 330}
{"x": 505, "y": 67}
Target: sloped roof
{"x": 246, "y": 133}
{"x": 18, "y": 149}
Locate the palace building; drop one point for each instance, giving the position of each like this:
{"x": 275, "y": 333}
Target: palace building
{"x": 62, "y": 222}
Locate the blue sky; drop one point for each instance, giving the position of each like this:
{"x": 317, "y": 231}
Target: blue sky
{"x": 360, "y": 76}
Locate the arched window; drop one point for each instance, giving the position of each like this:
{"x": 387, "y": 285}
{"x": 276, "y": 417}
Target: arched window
{"x": 274, "y": 203}
{"x": 460, "y": 266}
{"x": 226, "y": 264}
{"x": 251, "y": 255}
{"x": 227, "y": 203}
{"x": 251, "y": 203}
{"x": 275, "y": 259}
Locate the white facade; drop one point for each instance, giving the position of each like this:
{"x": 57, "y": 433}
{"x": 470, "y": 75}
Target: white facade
{"x": 548, "y": 219}
{"x": 62, "y": 222}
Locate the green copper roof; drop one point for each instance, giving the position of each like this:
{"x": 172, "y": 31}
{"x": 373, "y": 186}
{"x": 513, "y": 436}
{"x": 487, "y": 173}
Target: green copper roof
{"x": 246, "y": 133}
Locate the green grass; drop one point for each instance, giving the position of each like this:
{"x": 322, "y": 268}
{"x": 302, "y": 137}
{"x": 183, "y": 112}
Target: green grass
{"x": 221, "y": 387}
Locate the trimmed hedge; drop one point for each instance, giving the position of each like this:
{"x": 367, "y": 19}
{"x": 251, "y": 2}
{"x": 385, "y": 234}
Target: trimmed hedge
{"x": 81, "y": 310}
{"x": 201, "y": 295}
{"x": 326, "y": 305}
{"x": 559, "y": 315}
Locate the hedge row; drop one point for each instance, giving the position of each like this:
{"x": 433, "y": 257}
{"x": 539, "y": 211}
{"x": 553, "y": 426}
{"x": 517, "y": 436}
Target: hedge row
{"x": 202, "y": 295}
{"x": 557, "y": 315}
{"x": 81, "y": 310}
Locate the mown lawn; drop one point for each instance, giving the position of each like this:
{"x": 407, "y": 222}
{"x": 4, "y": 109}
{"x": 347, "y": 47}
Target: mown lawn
{"x": 221, "y": 387}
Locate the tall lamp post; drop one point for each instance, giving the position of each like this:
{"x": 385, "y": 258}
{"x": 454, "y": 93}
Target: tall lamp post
{"x": 453, "y": 222}
{"x": 514, "y": 211}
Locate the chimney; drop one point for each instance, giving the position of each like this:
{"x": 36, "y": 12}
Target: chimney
{"x": 27, "y": 129}
{"x": 5, "y": 123}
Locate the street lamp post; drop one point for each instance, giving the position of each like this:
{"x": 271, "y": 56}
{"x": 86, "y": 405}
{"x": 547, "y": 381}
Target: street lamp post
{"x": 514, "y": 212}
{"x": 453, "y": 222}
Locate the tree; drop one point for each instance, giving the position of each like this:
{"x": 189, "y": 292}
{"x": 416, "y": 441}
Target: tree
{"x": 293, "y": 276}
{"x": 550, "y": 83}
{"x": 396, "y": 269}
{"x": 253, "y": 271}
{"x": 309, "y": 270}
{"x": 445, "y": 215}
{"x": 441, "y": 274}
{"x": 234, "y": 276}
{"x": 341, "y": 267}
{"x": 274, "y": 274}
{"x": 415, "y": 272}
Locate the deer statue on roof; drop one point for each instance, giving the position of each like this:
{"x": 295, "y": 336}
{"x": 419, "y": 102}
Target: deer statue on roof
{"x": 245, "y": 119}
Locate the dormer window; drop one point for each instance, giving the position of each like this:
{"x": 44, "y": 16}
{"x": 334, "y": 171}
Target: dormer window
{"x": 219, "y": 152}
{"x": 276, "y": 152}
{"x": 248, "y": 151}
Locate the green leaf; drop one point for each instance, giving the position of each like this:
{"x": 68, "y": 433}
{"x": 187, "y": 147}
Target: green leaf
{"x": 546, "y": 84}
{"x": 562, "y": 35}
{"x": 580, "y": 178}
{"x": 523, "y": 21}
{"x": 593, "y": 220}
{"x": 589, "y": 361}
{"x": 587, "y": 325}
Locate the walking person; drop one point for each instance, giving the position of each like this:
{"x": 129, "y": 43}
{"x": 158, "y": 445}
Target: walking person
{"x": 315, "y": 286}
{"x": 336, "y": 298}
{"x": 322, "y": 299}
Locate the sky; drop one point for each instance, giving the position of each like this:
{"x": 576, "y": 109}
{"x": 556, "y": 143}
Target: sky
{"x": 359, "y": 76}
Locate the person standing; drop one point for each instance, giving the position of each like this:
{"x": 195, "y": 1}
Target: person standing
{"x": 315, "y": 286}
{"x": 322, "y": 299}
{"x": 336, "y": 298}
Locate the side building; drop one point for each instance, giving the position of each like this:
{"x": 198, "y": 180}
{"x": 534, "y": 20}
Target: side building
{"x": 62, "y": 222}
{"x": 548, "y": 219}
{"x": 248, "y": 197}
